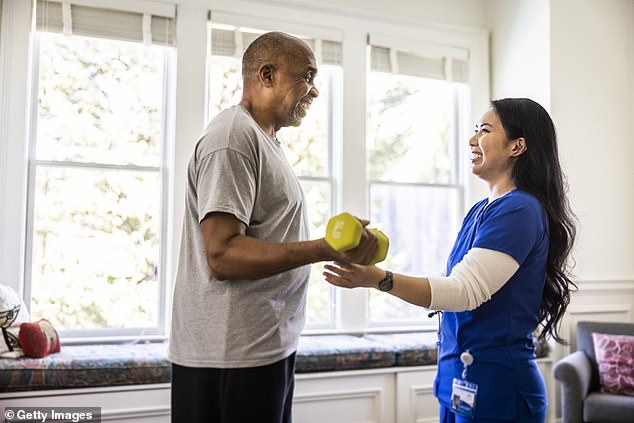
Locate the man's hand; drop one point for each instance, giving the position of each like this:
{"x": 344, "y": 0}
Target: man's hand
{"x": 361, "y": 254}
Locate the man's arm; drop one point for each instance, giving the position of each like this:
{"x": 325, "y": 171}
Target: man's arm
{"x": 231, "y": 254}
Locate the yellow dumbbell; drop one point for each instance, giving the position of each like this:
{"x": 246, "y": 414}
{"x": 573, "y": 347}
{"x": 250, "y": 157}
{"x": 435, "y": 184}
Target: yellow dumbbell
{"x": 344, "y": 231}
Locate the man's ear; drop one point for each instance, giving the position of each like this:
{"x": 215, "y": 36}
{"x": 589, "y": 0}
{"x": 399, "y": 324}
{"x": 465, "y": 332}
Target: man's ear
{"x": 265, "y": 74}
{"x": 519, "y": 147}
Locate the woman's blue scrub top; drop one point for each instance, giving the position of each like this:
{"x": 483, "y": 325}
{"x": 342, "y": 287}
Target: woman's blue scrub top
{"x": 498, "y": 333}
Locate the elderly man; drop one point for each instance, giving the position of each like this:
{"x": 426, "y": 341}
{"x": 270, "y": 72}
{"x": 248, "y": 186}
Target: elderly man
{"x": 240, "y": 291}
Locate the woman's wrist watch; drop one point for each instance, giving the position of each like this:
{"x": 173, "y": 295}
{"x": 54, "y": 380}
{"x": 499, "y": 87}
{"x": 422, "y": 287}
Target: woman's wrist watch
{"x": 387, "y": 282}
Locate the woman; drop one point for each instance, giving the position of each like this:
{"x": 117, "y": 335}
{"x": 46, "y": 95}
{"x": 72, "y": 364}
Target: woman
{"x": 507, "y": 270}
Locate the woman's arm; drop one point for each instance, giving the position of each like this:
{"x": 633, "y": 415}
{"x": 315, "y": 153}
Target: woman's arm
{"x": 480, "y": 274}
{"x": 414, "y": 290}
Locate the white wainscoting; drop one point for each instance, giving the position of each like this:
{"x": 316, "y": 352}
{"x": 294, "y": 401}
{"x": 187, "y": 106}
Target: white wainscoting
{"x": 415, "y": 401}
{"x": 391, "y": 395}
{"x": 121, "y": 404}
{"x": 343, "y": 397}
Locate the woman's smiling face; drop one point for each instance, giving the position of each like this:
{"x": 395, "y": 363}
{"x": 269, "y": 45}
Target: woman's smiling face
{"x": 491, "y": 150}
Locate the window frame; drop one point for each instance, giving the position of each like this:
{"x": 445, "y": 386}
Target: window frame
{"x": 157, "y": 331}
{"x": 352, "y": 305}
{"x": 455, "y": 186}
{"x": 335, "y": 116}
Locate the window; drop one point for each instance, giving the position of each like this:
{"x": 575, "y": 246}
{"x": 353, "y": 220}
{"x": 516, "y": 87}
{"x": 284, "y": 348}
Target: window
{"x": 415, "y": 109}
{"x": 309, "y": 147}
{"x": 97, "y": 181}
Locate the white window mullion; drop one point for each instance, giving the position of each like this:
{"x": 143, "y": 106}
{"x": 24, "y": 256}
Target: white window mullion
{"x": 147, "y": 29}
{"x": 168, "y": 154}
{"x": 393, "y": 61}
{"x": 353, "y": 189}
{"x": 237, "y": 34}
{"x": 32, "y": 169}
{"x": 67, "y": 19}
{"x": 318, "y": 51}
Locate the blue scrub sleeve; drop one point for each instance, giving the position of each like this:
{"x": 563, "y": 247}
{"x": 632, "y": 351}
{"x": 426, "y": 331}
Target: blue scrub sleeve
{"x": 512, "y": 226}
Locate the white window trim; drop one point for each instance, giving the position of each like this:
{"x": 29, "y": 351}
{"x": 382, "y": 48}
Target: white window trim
{"x": 97, "y": 335}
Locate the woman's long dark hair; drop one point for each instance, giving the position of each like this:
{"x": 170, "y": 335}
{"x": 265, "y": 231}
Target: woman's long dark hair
{"x": 538, "y": 172}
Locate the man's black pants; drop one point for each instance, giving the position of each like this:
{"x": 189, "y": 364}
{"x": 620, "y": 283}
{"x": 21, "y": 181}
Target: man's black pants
{"x": 243, "y": 395}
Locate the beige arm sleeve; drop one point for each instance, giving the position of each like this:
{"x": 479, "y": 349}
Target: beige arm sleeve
{"x": 480, "y": 274}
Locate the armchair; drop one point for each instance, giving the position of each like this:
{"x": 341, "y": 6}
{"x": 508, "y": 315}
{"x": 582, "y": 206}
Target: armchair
{"x": 581, "y": 398}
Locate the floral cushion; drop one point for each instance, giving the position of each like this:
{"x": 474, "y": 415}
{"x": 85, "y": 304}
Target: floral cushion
{"x": 615, "y": 359}
{"x": 82, "y": 366}
{"x": 322, "y": 353}
{"x": 411, "y": 349}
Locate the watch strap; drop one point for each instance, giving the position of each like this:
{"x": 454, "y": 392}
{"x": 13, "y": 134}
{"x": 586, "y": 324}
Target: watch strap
{"x": 387, "y": 282}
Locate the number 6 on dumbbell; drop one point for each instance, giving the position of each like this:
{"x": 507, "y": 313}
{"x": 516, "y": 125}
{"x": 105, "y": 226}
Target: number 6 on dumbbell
{"x": 344, "y": 231}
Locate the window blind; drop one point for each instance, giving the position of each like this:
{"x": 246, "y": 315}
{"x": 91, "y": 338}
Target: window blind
{"x": 393, "y": 58}
{"x": 232, "y": 41}
{"x": 145, "y": 21}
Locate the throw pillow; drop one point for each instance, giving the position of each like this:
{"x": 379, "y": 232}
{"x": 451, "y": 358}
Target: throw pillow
{"x": 615, "y": 358}
{"x": 39, "y": 339}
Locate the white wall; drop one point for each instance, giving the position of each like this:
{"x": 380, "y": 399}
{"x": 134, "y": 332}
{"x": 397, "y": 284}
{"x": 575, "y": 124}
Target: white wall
{"x": 575, "y": 56}
{"x": 451, "y": 12}
{"x": 592, "y": 103}
{"x": 520, "y": 49}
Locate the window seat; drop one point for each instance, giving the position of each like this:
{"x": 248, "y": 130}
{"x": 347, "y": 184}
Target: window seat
{"x": 83, "y": 366}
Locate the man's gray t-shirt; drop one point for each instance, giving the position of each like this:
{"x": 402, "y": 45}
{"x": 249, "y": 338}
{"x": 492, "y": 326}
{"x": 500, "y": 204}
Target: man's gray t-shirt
{"x": 236, "y": 168}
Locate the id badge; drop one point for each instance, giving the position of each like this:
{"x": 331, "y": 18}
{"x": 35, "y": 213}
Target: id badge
{"x": 463, "y": 397}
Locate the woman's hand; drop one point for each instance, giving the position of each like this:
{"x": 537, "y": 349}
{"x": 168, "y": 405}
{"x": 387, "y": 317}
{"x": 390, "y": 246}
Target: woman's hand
{"x": 353, "y": 275}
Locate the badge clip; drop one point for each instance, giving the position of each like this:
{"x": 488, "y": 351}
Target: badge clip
{"x": 464, "y": 393}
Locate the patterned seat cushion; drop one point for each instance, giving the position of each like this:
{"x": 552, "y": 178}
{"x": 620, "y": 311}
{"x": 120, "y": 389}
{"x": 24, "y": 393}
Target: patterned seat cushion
{"x": 411, "y": 349}
{"x": 88, "y": 366}
{"x": 341, "y": 352}
{"x": 133, "y": 364}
